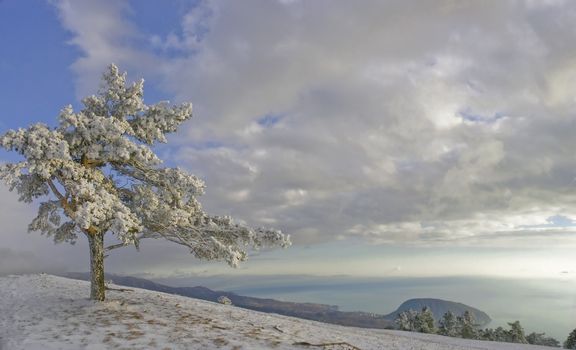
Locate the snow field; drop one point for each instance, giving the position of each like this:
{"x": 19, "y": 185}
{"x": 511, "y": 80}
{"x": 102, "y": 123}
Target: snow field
{"x": 44, "y": 312}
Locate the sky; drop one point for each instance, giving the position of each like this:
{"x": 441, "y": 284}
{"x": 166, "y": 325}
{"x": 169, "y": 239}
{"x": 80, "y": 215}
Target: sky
{"x": 388, "y": 138}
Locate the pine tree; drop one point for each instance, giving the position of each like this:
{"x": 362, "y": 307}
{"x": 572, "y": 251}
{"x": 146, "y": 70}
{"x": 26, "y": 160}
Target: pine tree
{"x": 448, "y": 325}
{"x": 424, "y": 321}
{"x": 101, "y": 176}
{"x": 516, "y": 333}
{"x": 487, "y": 334}
{"x": 406, "y": 320}
{"x": 534, "y": 338}
{"x": 500, "y": 334}
{"x": 570, "y": 342}
{"x": 466, "y": 326}
{"x": 541, "y": 339}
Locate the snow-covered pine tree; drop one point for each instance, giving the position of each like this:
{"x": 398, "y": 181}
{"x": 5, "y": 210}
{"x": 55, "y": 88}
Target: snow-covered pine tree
{"x": 534, "y": 338}
{"x": 466, "y": 325}
{"x": 516, "y": 333}
{"x": 424, "y": 321}
{"x": 406, "y": 320}
{"x": 570, "y": 342}
{"x": 448, "y": 325}
{"x": 487, "y": 334}
{"x": 101, "y": 176}
{"x": 541, "y": 339}
{"x": 501, "y": 335}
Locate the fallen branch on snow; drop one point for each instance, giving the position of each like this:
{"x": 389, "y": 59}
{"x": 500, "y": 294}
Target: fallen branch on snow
{"x": 120, "y": 289}
{"x": 324, "y": 345}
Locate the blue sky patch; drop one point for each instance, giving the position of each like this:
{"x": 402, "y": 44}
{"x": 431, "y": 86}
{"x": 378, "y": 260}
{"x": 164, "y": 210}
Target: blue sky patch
{"x": 554, "y": 222}
{"x": 470, "y": 116}
{"x": 269, "y": 120}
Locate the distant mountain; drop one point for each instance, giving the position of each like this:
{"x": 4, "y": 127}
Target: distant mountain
{"x": 439, "y": 307}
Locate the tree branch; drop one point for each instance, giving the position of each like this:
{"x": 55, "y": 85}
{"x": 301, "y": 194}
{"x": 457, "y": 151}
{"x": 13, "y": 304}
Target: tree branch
{"x": 120, "y": 245}
{"x": 91, "y": 163}
{"x": 55, "y": 190}
{"x": 63, "y": 201}
{"x": 114, "y": 246}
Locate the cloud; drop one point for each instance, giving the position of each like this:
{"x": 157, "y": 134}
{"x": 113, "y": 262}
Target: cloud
{"x": 396, "y": 121}
{"x": 102, "y": 35}
{"x": 20, "y": 262}
{"x": 21, "y": 252}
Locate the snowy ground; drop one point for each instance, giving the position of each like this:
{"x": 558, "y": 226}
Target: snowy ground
{"x": 43, "y": 312}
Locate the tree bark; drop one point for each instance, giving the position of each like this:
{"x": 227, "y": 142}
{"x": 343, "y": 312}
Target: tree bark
{"x": 97, "y": 287}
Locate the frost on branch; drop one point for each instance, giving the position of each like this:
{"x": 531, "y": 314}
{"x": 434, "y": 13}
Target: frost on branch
{"x": 100, "y": 175}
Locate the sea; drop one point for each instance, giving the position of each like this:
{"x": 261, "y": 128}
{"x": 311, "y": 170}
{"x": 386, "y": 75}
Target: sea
{"x": 541, "y": 305}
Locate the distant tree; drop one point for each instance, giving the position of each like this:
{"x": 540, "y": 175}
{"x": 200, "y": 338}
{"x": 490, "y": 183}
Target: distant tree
{"x": 487, "y": 334}
{"x": 550, "y": 341}
{"x": 463, "y": 326}
{"x": 224, "y": 300}
{"x": 466, "y": 325}
{"x": 534, "y": 338}
{"x": 541, "y": 339}
{"x": 424, "y": 321}
{"x": 516, "y": 333}
{"x": 448, "y": 325}
{"x": 406, "y": 320}
{"x": 100, "y": 175}
{"x": 501, "y": 335}
{"x": 570, "y": 342}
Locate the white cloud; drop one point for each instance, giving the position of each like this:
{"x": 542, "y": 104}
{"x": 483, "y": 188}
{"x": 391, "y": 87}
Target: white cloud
{"x": 102, "y": 35}
{"x": 401, "y": 121}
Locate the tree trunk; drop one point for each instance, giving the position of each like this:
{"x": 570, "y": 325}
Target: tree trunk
{"x": 97, "y": 287}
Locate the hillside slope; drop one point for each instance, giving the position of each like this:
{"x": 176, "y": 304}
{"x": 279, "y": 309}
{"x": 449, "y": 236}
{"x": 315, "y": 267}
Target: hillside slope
{"x": 309, "y": 311}
{"x": 48, "y": 312}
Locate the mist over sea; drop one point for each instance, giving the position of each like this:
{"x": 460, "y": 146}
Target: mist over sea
{"x": 541, "y": 305}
